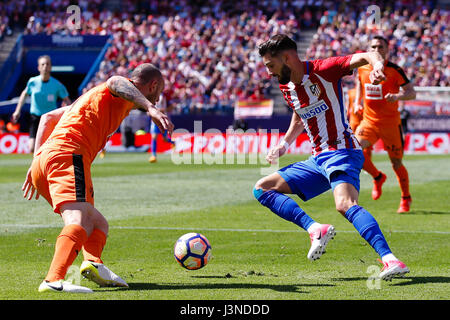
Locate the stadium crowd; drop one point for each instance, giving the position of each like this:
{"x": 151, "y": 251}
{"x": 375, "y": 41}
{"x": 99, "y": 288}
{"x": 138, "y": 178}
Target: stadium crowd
{"x": 208, "y": 54}
{"x": 44, "y": 16}
{"x": 207, "y": 49}
{"x": 418, "y": 37}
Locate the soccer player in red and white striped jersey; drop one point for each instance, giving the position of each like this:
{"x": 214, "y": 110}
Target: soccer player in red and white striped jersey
{"x": 313, "y": 90}
{"x": 324, "y": 119}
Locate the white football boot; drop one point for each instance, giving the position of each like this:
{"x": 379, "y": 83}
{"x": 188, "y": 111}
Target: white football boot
{"x": 319, "y": 240}
{"x": 62, "y": 286}
{"x": 101, "y": 275}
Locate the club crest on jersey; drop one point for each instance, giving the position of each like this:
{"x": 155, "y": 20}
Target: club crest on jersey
{"x": 315, "y": 89}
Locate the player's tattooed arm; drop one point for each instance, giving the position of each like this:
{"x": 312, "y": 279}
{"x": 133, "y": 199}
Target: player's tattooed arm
{"x": 123, "y": 88}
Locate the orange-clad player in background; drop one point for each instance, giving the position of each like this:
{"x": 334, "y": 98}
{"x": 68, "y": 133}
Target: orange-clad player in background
{"x": 67, "y": 142}
{"x": 354, "y": 113}
{"x": 382, "y": 120}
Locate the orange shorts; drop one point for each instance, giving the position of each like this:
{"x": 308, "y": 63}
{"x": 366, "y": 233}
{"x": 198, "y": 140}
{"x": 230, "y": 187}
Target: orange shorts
{"x": 392, "y": 137}
{"x": 62, "y": 177}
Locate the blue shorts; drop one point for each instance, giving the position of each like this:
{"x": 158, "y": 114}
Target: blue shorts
{"x": 323, "y": 172}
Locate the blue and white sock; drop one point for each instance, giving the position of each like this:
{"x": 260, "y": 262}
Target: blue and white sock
{"x": 368, "y": 228}
{"x": 284, "y": 206}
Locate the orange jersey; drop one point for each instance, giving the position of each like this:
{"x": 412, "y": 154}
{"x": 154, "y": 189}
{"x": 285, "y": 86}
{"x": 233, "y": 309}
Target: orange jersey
{"x": 85, "y": 128}
{"x": 376, "y": 109}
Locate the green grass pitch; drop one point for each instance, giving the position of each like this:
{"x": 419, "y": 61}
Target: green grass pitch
{"x": 256, "y": 255}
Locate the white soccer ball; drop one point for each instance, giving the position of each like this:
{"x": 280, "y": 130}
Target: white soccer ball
{"x": 192, "y": 251}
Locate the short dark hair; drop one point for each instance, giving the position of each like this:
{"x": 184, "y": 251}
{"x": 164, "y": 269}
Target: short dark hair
{"x": 276, "y": 44}
{"x": 146, "y": 72}
{"x": 381, "y": 38}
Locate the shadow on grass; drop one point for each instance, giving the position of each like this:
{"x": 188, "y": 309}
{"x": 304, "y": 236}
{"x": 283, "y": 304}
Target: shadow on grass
{"x": 406, "y": 281}
{"x": 215, "y": 286}
{"x": 419, "y": 280}
{"x": 425, "y": 212}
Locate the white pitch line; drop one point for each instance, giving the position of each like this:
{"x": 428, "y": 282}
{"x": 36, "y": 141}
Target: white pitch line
{"x": 41, "y": 226}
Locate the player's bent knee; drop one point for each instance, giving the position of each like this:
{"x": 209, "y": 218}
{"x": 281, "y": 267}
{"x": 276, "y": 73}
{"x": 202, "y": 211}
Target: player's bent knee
{"x": 261, "y": 184}
{"x": 273, "y": 182}
{"x": 99, "y": 221}
{"x": 78, "y": 213}
{"x": 258, "y": 189}
{"x": 343, "y": 205}
{"x": 257, "y": 192}
{"x": 102, "y": 224}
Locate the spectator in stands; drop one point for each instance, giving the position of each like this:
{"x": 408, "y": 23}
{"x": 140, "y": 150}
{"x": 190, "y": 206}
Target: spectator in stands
{"x": 5, "y": 29}
{"x": 203, "y": 62}
{"x": 418, "y": 38}
{"x": 210, "y": 38}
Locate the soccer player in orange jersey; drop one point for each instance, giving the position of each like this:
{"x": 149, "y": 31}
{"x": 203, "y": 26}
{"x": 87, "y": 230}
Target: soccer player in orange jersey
{"x": 354, "y": 113}
{"x": 382, "y": 120}
{"x": 67, "y": 142}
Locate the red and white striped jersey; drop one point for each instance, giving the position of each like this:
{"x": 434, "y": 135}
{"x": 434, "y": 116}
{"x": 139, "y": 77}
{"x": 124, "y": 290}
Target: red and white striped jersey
{"x": 318, "y": 100}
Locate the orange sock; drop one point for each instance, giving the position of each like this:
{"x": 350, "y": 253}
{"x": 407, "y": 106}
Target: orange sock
{"x": 93, "y": 247}
{"x": 403, "y": 180}
{"x": 368, "y": 164}
{"x": 68, "y": 244}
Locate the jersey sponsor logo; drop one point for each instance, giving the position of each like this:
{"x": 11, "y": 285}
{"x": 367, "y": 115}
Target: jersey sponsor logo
{"x": 373, "y": 91}
{"x": 312, "y": 110}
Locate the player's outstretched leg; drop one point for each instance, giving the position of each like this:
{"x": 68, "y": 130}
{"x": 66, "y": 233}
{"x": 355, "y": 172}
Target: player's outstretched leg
{"x": 68, "y": 244}
{"x": 346, "y": 197}
{"x": 286, "y": 208}
{"x": 92, "y": 267}
{"x": 369, "y": 229}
